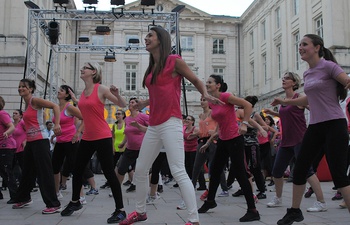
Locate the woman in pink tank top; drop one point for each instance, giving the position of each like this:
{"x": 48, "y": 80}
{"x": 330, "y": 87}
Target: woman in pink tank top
{"x": 37, "y": 158}
{"x": 97, "y": 137}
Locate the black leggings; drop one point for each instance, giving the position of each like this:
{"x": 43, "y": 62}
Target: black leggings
{"x": 333, "y": 136}
{"x": 103, "y": 147}
{"x": 156, "y": 167}
{"x": 233, "y": 148}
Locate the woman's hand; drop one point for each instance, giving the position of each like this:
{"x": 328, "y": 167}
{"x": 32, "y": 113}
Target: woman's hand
{"x": 213, "y": 100}
{"x": 74, "y": 98}
{"x": 277, "y": 101}
{"x": 57, "y": 129}
{"x": 242, "y": 128}
{"x": 204, "y": 147}
{"x": 114, "y": 90}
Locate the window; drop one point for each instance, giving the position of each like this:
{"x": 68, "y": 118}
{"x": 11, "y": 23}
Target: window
{"x": 296, "y": 51}
{"x": 296, "y": 7}
{"x": 319, "y": 26}
{"x": 218, "y": 46}
{"x": 219, "y": 71}
{"x": 263, "y": 30}
{"x": 278, "y": 18}
{"x": 279, "y": 60}
{"x": 251, "y": 34}
{"x": 264, "y": 67}
{"x": 186, "y": 43}
{"x": 130, "y": 72}
{"x": 97, "y": 40}
{"x": 253, "y": 73}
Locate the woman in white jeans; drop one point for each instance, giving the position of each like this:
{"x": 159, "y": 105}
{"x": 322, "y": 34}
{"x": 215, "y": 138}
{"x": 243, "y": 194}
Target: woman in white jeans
{"x": 163, "y": 80}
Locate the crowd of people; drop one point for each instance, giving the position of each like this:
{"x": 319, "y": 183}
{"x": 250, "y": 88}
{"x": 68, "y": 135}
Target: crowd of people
{"x": 230, "y": 137}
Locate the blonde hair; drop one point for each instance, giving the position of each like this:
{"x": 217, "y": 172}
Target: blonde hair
{"x": 97, "y": 77}
{"x": 295, "y": 77}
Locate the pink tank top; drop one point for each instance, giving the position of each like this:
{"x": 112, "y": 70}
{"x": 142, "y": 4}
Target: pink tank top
{"x": 164, "y": 95}
{"x": 20, "y": 136}
{"x": 68, "y": 128}
{"x": 34, "y": 123}
{"x": 92, "y": 109}
{"x": 190, "y": 145}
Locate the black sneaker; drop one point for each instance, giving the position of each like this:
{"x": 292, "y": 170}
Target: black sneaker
{"x": 250, "y": 216}
{"x": 11, "y": 201}
{"x": 106, "y": 185}
{"x": 127, "y": 183}
{"x": 71, "y": 207}
{"x": 261, "y": 195}
{"x": 117, "y": 216}
{"x": 271, "y": 183}
{"x": 309, "y": 193}
{"x": 160, "y": 189}
{"x": 293, "y": 215}
{"x": 238, "y": 193}
{"x": 1, "y": 196}
{"x": 203, "y": 188}
{"x": 131, "y": 188}
{"x": 206, "y": 206}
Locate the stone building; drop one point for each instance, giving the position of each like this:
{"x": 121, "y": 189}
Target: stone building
{"x": 251, "y": 52}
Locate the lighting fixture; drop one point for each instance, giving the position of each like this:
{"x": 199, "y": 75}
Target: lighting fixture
{"x": 83, "y": 39}
{"x": 148, "y": 2}
{"x": 90, "y": 2}
{"x": 117, "y": 2}
{"x": 110, "y": 58}
{"x": 103, "y": 30}
{"x": 61, "y": 2}
{"x": 134, "y": 41}
{"x": 53, "y": 32}
{"x": 31, "y": 5}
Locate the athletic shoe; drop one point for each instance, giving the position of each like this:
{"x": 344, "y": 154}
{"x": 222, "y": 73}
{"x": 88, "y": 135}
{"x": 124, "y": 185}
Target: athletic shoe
{"x": 51, "y": 210}
{"x": 106, "y": 185}
{"x": 131, "y": 188}
{"x": 82, "y": 200}
{"x": 133, "y": 218}
{"x": 117, "y": 217}
{"x": 71, "y": 207}
{"x": 309, "y": 192}
{"x": 293, "y": 215}
{"x": 20, "y": 205}
{"x": 275, "y": 202}
{"x": 255, "y": 198}
{"x": 238, "y": 193}
{"x": 11, "y": 201}
{"x": 182, "y": 206}
{"x": 160, "y": 188}
{"x": 343, "y": 205}
{"x": 261, "y": 195}
{"x": 127, "y": 183}
{"x": 206, "y": 206}
{"x": 59, "y": 195}
{"x": 223, "y": 194}
{"x": 92, "y": 191}
{"x": 202, "y": 188}
{"x": 204, "y": 195}
{"x": 63, "y": 186}
{"x": 152, "y": 199}
{"x": 271, "y": 183}
{"x": 337, "y": 196}
{"x": 318, "y": 207}
{"x": 250, "y": 216}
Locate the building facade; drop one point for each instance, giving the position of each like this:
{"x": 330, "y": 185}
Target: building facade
{"x": 251, "y": 52}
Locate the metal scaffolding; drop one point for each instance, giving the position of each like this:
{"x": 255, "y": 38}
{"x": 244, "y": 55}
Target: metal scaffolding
{"x": 39, "y": 18}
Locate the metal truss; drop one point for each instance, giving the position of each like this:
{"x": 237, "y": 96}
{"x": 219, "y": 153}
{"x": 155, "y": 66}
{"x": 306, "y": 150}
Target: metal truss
{"x": 39, "y": 18}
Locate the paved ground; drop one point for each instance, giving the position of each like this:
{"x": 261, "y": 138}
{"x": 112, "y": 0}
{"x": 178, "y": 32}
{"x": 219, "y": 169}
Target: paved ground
{"x": 228, "y": 211}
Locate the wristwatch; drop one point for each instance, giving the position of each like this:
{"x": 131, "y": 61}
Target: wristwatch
{"x": 245, "y": 122}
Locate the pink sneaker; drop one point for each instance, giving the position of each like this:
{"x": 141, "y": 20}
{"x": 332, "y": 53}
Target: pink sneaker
{"x": 133, "y": 218}
{"x": 204, "y": 195}
{"x": 255, "y": 198}
{"x": 20, "y": 205}
{"x": 51, "y": 210}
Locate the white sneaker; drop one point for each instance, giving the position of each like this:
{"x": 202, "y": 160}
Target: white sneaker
{"x": 318, "y": 207}
{"x": 82, "y": 200}
{"x": 275, "y": 202}
{"x": 182, "y": 206}
{"x": 152, "y": 199}
{"x": 110, "y": 194}
{"x": 59, "y": 195}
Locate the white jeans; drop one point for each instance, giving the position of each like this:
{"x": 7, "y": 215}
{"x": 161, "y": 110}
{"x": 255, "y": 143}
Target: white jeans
{"x": 170, "y": 135}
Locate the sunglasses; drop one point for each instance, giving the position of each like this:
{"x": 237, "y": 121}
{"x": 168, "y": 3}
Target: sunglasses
{"x": 87, "y": 68}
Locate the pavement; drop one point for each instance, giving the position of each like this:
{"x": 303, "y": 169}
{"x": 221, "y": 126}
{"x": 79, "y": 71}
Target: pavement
{"x": 229, "y": 210}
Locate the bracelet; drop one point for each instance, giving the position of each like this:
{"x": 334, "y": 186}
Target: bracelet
{"x": 245, "y": 122}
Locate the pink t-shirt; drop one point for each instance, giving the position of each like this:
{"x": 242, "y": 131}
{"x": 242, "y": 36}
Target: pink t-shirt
{"x": 92, "y": 109}
{"x": 321, "y": 90}
{"x": 9, "y": 142}
{"x": 133, "y": 134}
{"x": 20, "y": 136}
{"x": 164, "y": 95}
{"x": 34, "y": 123}
{"x": 68, "y": 128}
{"x": 225, "y": 115}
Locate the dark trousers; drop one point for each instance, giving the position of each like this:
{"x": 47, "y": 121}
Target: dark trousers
{"x": 103, "y": 148}
{"x": 37, "y": 164}
{"x": 156, "y": 167}
{"x": 252, "y": 154}
{"x": 6, "y": 170}
{"x": 233, "y": 148}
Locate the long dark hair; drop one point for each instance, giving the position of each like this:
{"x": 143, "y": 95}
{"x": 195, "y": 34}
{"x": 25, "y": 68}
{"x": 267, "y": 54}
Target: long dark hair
{"x": 66, "y": 88}
{"x": 165, "y": 50}
{"x": 29, "y": 83}
{"x": 324, "y": 52}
